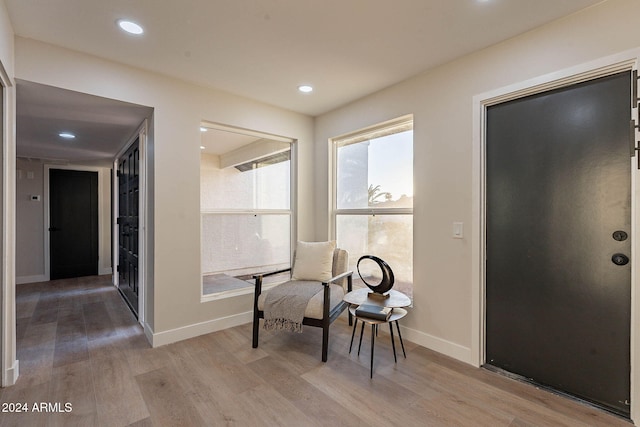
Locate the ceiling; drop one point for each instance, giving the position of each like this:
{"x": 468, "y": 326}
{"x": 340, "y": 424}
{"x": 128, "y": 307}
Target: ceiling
{"x": 101, "y": 126}
{"x": 264, "y": 49}
{"x": 217, "y": 142}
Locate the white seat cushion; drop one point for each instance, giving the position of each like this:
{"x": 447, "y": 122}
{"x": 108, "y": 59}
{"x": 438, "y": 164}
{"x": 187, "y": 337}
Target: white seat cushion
{"x": 314, "y": 308}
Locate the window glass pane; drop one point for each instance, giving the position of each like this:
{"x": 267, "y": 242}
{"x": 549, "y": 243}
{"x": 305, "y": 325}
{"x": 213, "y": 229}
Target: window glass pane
{"x": 265, "y": 186}
{"x": 389, "y": 237}
{"x": 376, "y": 173}
{"x": 243, "y": 244}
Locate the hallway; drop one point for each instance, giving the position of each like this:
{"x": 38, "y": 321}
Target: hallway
{"x": 77, "y": 342}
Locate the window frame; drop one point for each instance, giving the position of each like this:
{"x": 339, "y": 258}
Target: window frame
{"x": 379, "y": 130}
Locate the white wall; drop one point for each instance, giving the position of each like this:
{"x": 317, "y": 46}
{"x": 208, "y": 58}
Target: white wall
{"x": 441, "y": 102}
{"x": 179, "y": 109}
{"x": 29, "y": 221}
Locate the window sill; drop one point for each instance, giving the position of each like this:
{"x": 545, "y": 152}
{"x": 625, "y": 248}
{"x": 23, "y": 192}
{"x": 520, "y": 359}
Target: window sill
{"x": 249, "y": 290}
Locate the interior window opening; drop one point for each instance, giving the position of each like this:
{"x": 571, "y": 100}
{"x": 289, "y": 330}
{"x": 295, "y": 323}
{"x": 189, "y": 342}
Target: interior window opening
{"x": 245, "y": 207}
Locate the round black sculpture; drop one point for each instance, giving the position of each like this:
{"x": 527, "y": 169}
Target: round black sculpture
{"x": 387, "y": 275}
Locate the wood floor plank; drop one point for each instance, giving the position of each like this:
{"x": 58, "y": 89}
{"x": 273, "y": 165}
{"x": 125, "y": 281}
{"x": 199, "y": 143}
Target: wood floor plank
{"x": 97, "y": 321}
{"x": 70, "y": 384}
{"x": 70, "y": 350}
{"x": 121, "y": 405}
{"x": 25, "y": 395}
{"x": 168, "y": 402}
{"x": 216, "y": 404}
{"x": 46, "y": 310}
{"x": 226, "y": 371}
{"x": 365, "y": 396}
{"x": 39, "y": 336}
{"x": 147, "y": 422}
{"x": 273, "y": 409}
{"x": 316, "y": 405}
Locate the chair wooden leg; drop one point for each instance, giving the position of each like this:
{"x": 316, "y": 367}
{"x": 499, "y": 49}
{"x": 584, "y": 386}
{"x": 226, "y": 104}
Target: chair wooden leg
{"x": 325, "y": 342}
{"x": 256, "y": 327}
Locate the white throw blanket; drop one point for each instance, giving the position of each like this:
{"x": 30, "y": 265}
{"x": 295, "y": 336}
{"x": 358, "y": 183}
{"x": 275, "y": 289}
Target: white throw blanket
{"x": 285, "y": 304}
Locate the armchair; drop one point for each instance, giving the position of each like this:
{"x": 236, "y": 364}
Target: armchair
{"x": 324, "y": 306}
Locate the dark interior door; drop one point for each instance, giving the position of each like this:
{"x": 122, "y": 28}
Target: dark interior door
{"x": 73, "y": 223}
{"x": 128, "y": 198}
{"x": 558, "y": 211}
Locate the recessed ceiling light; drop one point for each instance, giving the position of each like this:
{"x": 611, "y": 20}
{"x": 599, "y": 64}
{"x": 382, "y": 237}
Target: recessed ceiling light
{"x": 66, "y": 135}
{"x": 202, "y": 147}
{"x": 203, "y": 129}
{"x": 130, "y": 27}
{"x": 305, "y": 88}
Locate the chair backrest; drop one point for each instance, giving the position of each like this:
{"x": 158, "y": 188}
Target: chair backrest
{"x": 340, "y": 265}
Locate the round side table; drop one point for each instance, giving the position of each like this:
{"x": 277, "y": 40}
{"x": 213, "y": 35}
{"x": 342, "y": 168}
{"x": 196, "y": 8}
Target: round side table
{"x": 364, "y": 295}
{"x": 397, "y": 314}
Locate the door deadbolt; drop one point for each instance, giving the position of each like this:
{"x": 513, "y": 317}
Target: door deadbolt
{"x": 620, "y": 235}
{"x": 620, "y": 259}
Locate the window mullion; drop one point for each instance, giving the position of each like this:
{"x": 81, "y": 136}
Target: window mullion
{"x": 377, "y": 211}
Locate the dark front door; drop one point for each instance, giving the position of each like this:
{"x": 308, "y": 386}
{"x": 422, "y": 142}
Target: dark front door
{"x": 558, "y": 285}
{"x": 128, "y": 198}
{"x": 73, "y": 223}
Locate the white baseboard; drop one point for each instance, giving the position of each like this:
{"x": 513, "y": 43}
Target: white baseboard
{"x": 11, "y": 374}
{"x": 20, "y": 280}
{"x": 445, "y": 347}
{"x": 191, "y": 331}
{"x": 105, "y": 271}
{"x": 148, "y": 332}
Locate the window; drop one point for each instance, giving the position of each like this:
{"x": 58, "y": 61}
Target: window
{"x": 246, "y": 217}
{"x": 373, "y": 198}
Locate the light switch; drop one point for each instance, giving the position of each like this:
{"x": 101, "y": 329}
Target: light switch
{"x": 458, "y": 232}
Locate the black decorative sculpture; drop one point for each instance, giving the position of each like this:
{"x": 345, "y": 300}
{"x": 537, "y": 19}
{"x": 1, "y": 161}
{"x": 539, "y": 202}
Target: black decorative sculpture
{"x": 387, "y": 275}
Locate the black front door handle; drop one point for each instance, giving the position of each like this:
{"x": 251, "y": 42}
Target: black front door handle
{"x": 620, "y": 259}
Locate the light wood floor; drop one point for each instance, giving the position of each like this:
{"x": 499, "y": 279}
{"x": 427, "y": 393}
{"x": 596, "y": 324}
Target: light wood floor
{"x": 79, "y": 344}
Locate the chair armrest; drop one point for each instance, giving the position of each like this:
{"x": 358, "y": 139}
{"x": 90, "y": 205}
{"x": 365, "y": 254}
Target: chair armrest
{"x": 261, "y": 275}
{"x": 258, "y": 284}
{"x": 338, "y": 277}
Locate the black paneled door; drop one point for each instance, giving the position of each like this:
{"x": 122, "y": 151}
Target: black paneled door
{"x": 73, "y": 223}
{"x": 558, "y": 280}
{"x": 128, "y": 200}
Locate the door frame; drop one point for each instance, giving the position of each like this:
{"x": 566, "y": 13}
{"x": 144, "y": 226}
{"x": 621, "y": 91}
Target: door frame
{"x": 47, "y": 207}
{"x": 624, "y": 61}
{"x": 9, "y": 364}
{"x": 141, "y": 133}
